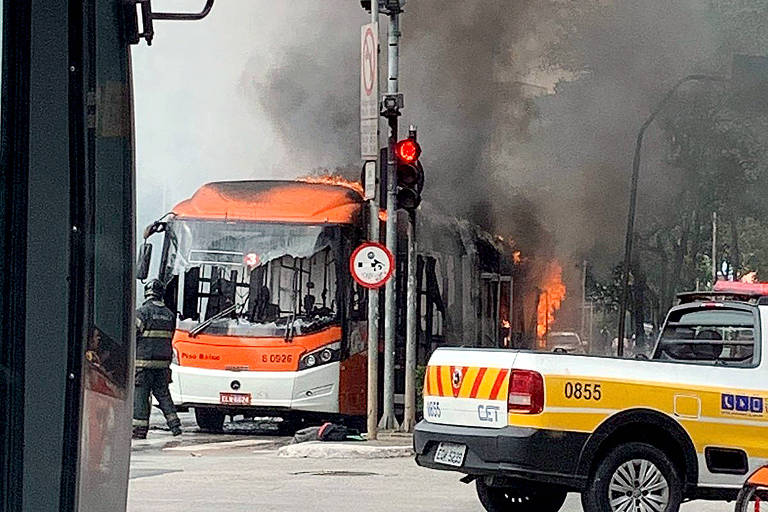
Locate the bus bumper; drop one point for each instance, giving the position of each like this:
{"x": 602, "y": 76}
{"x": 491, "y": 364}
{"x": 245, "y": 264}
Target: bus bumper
{"x": 314, "y": 389}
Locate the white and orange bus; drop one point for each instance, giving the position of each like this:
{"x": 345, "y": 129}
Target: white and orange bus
{"x": 271, "y": 323}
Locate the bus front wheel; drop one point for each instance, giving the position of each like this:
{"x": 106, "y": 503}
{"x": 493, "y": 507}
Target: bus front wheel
{"x": 209, "y": 420}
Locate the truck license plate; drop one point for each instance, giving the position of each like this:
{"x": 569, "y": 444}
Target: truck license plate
{"x": 451, "y": 454}
{"x": 235, "y": 398}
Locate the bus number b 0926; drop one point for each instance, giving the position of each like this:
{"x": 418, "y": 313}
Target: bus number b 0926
{"x": 277, "y": 358}
{"x": 583, "y": 391}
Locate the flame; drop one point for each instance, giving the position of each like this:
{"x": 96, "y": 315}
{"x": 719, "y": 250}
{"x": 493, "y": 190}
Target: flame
{"x": 383, "y": 215}
{"x": 517, "y": 257}
{"x": 505, "y": 324}
{"x": 333, "y": 179}
{"x": 552, "y": 295}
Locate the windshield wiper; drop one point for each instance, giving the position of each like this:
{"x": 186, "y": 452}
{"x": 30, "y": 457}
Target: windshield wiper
{"x": 203, "y": 325}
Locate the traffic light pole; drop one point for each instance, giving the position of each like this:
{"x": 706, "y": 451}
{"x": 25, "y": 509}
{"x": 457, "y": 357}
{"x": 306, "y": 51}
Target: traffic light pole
{"x": 409, "y": 419}
{"x": 388, "y": 420}
{"x": 373, "y": 294}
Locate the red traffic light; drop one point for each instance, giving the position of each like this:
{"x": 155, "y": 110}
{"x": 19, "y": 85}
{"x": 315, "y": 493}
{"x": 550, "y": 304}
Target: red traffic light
{"x": 408, "y": 150}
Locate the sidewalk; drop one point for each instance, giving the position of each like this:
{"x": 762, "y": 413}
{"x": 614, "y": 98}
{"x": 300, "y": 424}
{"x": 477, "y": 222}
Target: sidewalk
{"x": 387, "y": 446}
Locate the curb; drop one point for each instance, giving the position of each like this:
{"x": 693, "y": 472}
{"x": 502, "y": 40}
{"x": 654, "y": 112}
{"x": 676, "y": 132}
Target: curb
{"x": 358, "y": 450}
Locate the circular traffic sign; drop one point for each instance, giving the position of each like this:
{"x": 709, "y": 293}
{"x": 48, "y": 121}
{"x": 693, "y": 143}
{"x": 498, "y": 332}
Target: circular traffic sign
{"x": 369, "y": 65}
{"x": 371, "y": 265}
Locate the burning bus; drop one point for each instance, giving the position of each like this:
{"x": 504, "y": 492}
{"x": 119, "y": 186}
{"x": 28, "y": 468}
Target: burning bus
{"x": 271, "y": 323}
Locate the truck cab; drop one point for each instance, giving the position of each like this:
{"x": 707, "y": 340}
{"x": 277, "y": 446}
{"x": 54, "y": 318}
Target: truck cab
{"x": 628, "y": 434}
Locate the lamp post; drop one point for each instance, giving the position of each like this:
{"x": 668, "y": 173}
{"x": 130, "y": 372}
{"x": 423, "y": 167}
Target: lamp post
{"x": 633, "y": 200}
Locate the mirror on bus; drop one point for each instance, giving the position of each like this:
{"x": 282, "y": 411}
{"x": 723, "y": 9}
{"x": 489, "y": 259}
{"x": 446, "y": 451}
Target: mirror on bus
{"x": 145, "y": 257}
{"x": 155, "y": 227}
{"x": 191, "y": 294}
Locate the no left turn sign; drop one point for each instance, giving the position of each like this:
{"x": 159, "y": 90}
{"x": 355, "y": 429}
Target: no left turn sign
{"x": 371, "y": 265}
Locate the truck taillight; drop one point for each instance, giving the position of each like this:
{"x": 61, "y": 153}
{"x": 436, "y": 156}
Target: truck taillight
{"x": 526, "y": 392}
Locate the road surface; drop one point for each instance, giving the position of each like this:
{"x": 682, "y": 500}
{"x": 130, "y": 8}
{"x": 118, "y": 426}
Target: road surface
{"x": 240, "y": 472}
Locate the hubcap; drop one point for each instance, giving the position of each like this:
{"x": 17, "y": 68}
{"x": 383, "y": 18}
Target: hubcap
{"x": 638, "y": 486}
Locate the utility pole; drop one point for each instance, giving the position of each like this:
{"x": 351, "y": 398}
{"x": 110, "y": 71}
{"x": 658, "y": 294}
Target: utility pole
{"x": 373, "y": 294}
{"x": 391, "y": 106}
{"x": 714, "y": 249}
{"x": 583, "y": 297}
{"x": 409, "y": 419}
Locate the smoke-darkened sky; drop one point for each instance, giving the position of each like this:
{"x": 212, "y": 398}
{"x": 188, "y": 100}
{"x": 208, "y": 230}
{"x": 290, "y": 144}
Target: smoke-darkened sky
{"x": 527, "y": 110}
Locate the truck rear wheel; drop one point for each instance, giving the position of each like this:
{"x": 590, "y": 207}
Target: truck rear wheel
{"x": 636, "y": 477}
{"x": 209, "y": 420}
{"x": 519, "y": 499}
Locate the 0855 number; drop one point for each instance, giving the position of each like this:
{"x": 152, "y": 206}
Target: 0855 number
{"x": 583, "y": 391}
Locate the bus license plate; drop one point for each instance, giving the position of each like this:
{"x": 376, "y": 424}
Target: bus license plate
{"x": 235, "y": 398}
{"x": 451, "y": 454}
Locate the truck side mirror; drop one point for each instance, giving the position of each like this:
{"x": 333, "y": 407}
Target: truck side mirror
{"x": 145, "y": 257}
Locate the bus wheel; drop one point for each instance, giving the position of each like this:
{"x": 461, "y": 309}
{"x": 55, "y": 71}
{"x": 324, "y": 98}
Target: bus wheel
{"x": 209, "y": 420}
{"x": 519, "y": 499}
{"x": 634, "y": 476}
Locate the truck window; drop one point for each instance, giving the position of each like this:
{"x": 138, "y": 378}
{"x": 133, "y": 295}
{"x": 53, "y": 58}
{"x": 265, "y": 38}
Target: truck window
{"x": 715, "y": 336}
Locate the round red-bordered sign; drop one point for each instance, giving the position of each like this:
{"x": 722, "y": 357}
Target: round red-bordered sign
{"x": 371, "y": 265}
{"x": 369, "y": 61}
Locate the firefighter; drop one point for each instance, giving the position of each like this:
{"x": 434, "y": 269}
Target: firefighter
{"x": 155, "y": 324}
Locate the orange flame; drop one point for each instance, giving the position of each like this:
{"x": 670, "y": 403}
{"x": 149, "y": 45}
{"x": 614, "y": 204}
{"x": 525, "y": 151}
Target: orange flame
{"x": 505, "y": 324}
{"x": 517, "y": 257}
{"x": 383, "y": 215}
{"x": 552, "y": 295}
{"x": 333, "y": 179}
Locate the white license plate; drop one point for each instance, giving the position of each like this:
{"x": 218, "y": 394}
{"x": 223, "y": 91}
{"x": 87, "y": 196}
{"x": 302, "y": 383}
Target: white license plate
{"x": 451, "y": 454}
{"x": 235, "y": 398}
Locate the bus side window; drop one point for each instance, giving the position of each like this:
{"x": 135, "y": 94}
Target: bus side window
{"x": 358, "y": 307}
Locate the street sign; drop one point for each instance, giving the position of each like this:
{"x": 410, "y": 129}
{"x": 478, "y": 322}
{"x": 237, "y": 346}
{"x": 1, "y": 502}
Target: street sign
{"x": 371, "y": 265}
{"x": 370, "y": 180}
{"x": 369, "y": 91}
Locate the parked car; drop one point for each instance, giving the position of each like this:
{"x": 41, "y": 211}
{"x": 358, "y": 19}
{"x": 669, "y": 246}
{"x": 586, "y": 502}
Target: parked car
{"x": 569, "y": 342}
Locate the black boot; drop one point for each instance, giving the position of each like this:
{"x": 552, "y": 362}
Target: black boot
{"x": 176, "y": 430}
{"x": 139, "y": 433}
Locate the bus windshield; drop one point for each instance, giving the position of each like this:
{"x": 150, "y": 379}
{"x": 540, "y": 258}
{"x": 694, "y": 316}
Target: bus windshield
{"x": 253, "y": 279}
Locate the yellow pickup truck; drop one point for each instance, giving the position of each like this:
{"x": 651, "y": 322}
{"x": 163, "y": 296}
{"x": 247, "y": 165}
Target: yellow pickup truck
{"x": 630, "y": 435}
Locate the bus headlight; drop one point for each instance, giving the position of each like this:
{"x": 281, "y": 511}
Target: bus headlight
{"x": 321, "y": 356}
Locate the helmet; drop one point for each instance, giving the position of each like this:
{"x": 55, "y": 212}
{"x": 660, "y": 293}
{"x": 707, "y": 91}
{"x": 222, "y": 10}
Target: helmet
{"x": 154, "y": 289}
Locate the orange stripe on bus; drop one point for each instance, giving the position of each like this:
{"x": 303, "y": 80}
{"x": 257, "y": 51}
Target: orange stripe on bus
{"x": 478, "y": 380}
{"x": 497, "y": 385}
{"x": 439, "y": 381}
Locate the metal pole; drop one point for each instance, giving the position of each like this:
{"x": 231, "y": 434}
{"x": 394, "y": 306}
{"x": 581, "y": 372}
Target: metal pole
{"x": 373, "y": 294}
{"x": 388, "y": 420}
{"x": 409, "y": 419}
{"x": 623, "y": 305}
{"x": 714, "y": 249}
{"x": 583, "y": 297}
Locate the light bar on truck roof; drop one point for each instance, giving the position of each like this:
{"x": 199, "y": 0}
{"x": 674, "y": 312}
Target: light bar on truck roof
{"x": 753, "y": 289}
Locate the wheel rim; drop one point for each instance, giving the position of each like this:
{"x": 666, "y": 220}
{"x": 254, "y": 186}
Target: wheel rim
{"x": 638, "y": 485}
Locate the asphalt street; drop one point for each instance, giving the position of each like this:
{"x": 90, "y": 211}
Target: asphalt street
{"x": 240, "y": 471}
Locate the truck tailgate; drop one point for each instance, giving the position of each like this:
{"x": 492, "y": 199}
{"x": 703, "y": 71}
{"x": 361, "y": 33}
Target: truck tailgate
{"x": 468, "y": 387}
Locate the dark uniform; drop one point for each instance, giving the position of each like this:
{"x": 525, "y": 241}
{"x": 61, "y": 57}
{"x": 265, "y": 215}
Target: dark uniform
{"x": 155, "y": 324}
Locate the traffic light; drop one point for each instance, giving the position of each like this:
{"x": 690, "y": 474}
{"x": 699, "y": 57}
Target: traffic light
{"x": 410, "y": 173}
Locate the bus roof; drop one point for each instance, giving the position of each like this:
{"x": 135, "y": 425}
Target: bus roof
{"x": 273, "y": 201}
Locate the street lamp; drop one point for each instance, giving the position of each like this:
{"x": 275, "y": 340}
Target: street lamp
{"x": 633, "y": 200}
